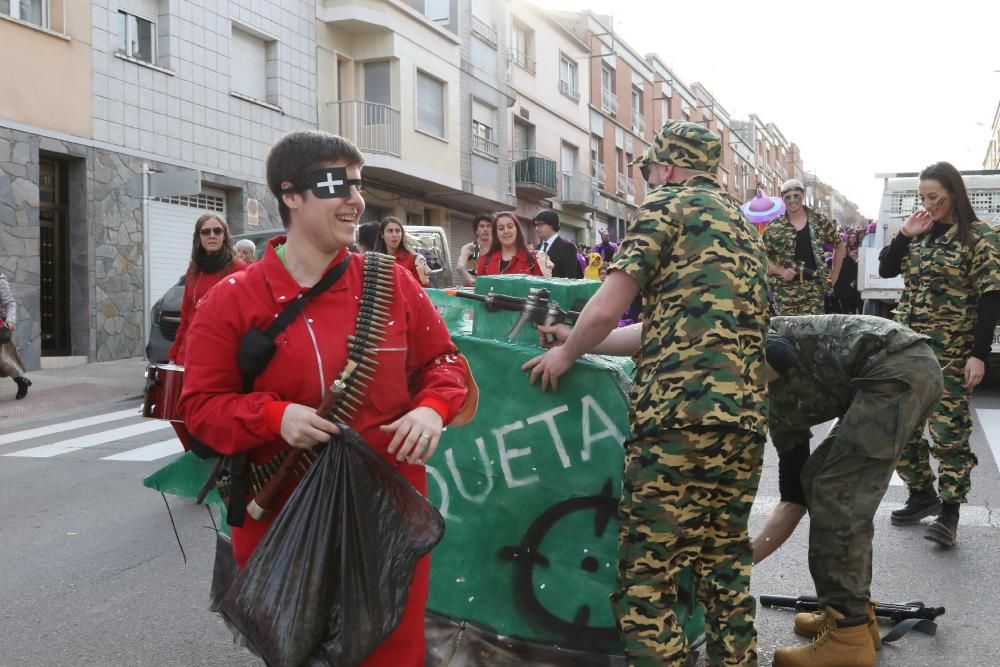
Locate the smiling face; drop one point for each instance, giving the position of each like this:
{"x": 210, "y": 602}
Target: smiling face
{"x": 392, "y": 235}
{"x": 507, "y": 232}
{"x": 936, "y": 199}
{"x": 212, "y": 234}
{"x": 326, "y": 223}
{"x": 793, "y": 200}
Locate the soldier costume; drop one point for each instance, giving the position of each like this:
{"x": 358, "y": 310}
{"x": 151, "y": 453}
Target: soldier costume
{"x": 946, "y": 281}
{"x": 805, "y": 295}
{"x": 880, "y": 380}
{"x": 698, "y": 412}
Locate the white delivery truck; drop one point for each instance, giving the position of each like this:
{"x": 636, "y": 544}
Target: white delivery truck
{"x": 899, "y": 200}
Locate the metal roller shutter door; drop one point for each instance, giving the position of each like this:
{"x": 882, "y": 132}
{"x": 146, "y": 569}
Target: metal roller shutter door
{"x": 171, "y": 223}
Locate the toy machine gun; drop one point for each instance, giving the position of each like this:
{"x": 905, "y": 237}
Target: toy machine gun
{"x": 537, "y": 307}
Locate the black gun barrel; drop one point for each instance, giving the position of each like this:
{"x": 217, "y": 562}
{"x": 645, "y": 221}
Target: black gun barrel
{"x": 896, "y": 612}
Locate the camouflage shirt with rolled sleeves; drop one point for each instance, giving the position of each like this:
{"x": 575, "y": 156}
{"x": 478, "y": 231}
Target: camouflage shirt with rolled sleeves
{"x": 702, "y": 272}
{"x": 944, "y": 279}
{"x": 779, "y": 240}
{"x": 834, "y": 353}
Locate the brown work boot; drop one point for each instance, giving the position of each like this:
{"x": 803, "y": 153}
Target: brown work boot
{"x": 810, "y": 623}
{"x": 843, "y": 642}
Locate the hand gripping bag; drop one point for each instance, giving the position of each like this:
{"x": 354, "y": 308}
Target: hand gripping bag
{"x": 329, "y": 580}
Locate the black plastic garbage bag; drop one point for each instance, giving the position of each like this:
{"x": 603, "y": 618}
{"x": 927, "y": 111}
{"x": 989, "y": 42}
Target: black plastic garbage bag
{"x": 329, "y": 580}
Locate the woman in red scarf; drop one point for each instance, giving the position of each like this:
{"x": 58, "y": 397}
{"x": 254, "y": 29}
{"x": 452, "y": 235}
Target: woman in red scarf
{"x": 509, "y": 253}
{"x": 212, "y": 259}
{"x": 392, "y": 241}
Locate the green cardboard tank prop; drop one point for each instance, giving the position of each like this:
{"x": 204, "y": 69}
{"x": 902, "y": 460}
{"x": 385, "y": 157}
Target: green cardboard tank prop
{"x": 529, "y": 490}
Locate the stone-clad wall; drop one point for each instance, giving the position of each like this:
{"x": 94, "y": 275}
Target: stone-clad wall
{"x": 19, "y": 260}
{"x": 105, "y": 241}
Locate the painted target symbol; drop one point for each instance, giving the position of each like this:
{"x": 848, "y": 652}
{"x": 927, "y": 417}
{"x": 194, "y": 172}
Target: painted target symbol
{"x": 527, "y": 556}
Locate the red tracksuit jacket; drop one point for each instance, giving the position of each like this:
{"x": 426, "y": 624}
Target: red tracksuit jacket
{"x": 489, "y": 265}
{"x": 417, "y": 365}
{"x": 196, "y": 286}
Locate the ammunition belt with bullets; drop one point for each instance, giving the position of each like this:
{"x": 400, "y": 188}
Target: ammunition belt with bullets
{"x": 359, "y": 370}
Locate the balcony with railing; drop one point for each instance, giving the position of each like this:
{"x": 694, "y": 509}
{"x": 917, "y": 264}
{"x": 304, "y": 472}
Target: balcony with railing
{"x": 629, "y": 190}
{"x": 534, "y": 174}
{"x": 609, "y": 101}
{"x": 373, "y": 127}
{"x": 578, "y": 190}
{"x": 569, "y": 89}
{"x": 598, "y": 172}
{"x": 484, "y": 146}
{"x": 620, "y": 184}
{"x": 523, "y": 60}
{"x": 484, "y": 30}
{"x": 638, "y": 122}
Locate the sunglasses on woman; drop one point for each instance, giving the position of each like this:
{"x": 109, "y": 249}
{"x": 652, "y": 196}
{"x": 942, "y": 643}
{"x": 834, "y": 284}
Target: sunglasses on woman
{"x": 792, "y": 196}
{"x": 212, "y": 231}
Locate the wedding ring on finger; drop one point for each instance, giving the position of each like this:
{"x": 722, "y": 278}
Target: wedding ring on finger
{"x": 425, "y": 437}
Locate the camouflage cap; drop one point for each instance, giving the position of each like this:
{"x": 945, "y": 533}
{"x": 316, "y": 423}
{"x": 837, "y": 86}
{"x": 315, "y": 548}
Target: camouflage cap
{"x": 684, "y": 144}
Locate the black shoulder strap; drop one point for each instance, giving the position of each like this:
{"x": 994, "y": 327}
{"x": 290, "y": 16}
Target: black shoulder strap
{"x": 257, "y": 347}
{"x": 295, "y": 307}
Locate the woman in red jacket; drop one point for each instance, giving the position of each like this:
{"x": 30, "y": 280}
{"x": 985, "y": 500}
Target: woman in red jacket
{"x": 509, "y": 253}
{"x": 418, "y": 378}
{"x": 212, "y": 259}
{"x": 392, "y": 241}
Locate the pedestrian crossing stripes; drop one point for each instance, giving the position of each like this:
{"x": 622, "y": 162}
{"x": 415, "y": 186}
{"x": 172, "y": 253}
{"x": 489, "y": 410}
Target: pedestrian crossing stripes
{"x": 157, "y": 447}
{"x": 157, "y": 450}
{"x": 92, "y": 439}
{"x": 123, "y": 429}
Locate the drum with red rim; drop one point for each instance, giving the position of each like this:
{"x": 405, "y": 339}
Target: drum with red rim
{"x": 163, "y": 391}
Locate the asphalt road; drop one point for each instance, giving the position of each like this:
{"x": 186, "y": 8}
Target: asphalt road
{"x": 92, "y": 573}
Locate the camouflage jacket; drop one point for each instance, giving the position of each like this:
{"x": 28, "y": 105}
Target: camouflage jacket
{"x": 835, "y": 351}
{"x": 779, "y": 241}
{"x": 944, "y": 280}
{"x": 702, "y": 271}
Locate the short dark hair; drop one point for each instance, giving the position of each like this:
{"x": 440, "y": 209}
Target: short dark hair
{"x": 368, "y": 235}
{"x": 548, "y": 217}
{"x": 301, "y": 152}
{"x": 780, "y": 353}
{"x": 488, "y": 217}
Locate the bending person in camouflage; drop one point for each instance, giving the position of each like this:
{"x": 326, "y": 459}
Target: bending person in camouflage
{"x": 794, "y": 245}
{"x": 949, "y": 261}
{"x": 698, "y": 413}
{"x": 880, "y": 380}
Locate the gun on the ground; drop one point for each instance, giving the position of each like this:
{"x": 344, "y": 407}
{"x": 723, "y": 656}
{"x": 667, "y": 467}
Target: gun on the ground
{"x": 895, "y": 612}
{"x": 537, "y": 308}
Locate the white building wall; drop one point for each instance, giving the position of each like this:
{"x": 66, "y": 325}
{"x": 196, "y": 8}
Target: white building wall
{"x": 181, "y": 108}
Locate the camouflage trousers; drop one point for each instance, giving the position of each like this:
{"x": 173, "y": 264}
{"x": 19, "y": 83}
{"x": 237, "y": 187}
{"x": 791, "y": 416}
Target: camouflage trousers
{"x": 845, "y": 479}
{"x": 794, "y": 298}
{"x": 950, "y": 426}
{"x": 686, "y": 498}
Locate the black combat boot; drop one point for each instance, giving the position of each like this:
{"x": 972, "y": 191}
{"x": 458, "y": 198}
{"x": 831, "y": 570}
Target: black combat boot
{"x": 921, "y": 503}
{"x": 22, "y": 387}
{"x": 945, "y": 526}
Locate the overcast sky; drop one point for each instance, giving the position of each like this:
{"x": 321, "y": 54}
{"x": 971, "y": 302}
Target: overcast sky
{"x": 862, "y": 87}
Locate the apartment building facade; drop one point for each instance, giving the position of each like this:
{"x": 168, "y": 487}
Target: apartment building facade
{"x": 411, "y": 83}
{"x": 191, "y": 93}
{"x": 549, "y": 122}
